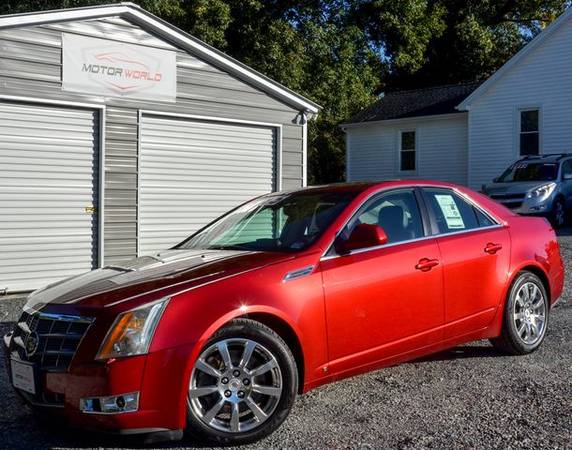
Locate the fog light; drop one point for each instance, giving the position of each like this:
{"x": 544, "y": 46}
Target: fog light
{"x": 110, "y": 405}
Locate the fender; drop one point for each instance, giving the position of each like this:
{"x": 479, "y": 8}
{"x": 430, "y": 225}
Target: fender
{"x": 495, "y": 327}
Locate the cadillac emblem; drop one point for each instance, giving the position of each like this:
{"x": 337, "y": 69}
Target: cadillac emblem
{"x": 31, "y": 344}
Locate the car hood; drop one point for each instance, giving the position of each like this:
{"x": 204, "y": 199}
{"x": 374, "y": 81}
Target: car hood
{"x": 517, "y": 187}
{"x": 179, "y": 269}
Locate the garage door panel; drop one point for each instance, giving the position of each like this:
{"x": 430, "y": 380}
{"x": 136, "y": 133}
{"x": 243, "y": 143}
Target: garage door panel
{"x": 193, "y": 171}
{"x": 37, "y": 142}
{"x": 250, "y": 136}
{"x": 228, "y": 149}
{"x": 172, "y": 168}
{"x": 48, "y": 176}
{"x": 227, "y": 178}
{"x": 170, "y": 125}
{"x": 179, "y": 157}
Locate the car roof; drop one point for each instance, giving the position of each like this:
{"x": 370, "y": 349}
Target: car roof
{"x": 549, "y": 157}
{"x": 363, "y": 186}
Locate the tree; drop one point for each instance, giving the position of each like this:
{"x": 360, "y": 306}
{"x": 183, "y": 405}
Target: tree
{"x": 343, "y": 53}
{"x": 431, "y": 42}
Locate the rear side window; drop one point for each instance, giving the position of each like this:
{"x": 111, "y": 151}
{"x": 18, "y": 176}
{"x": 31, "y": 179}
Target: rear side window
{"x": 453, "y": 213}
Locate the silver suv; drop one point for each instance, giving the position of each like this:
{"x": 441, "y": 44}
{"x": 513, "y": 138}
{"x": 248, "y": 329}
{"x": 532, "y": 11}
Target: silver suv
{"x": 536, "y": 185}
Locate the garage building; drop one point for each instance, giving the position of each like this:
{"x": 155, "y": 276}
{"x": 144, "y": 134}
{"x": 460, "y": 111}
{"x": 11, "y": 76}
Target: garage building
{"x": 120, "y": 135}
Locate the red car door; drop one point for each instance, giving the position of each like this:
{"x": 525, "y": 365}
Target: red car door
{"x": 475, "y": 253}
{"x": 385, "y": 300}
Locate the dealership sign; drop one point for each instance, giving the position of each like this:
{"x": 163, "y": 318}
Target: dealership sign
{"x": 110, "y": 68}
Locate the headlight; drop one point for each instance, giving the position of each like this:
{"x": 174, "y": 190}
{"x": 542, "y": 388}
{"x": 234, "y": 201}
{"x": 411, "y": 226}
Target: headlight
{"x": 542, "y": 191}
{"x": 132, "y": 331}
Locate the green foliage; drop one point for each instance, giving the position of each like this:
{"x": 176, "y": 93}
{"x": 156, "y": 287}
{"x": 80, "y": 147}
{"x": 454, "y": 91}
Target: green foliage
{"x": 342, "y": 53}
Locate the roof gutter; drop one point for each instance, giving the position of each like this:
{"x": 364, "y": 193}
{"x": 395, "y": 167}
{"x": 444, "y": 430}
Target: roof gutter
{"x": 346, "y": 126}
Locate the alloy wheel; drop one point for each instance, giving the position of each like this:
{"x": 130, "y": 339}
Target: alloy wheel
{"x": 235, "y": 385}
{"x": 529, "y": 314}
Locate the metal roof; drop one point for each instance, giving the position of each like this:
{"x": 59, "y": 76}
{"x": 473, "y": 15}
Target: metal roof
{"x": 165, "y": 30}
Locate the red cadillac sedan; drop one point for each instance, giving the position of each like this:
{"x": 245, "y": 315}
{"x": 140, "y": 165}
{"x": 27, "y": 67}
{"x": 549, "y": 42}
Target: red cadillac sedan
{"x": 285, "y": 293}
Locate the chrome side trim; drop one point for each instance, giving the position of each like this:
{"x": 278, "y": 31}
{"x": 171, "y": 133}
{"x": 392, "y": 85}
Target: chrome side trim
{"x": 477, "y": 206}
{"x": 298, "y": 273}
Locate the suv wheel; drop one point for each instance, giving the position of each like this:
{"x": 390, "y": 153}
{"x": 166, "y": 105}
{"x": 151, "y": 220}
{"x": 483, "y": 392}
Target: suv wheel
{"x": 242, "y": 386}
{"x": 558, "y": 215}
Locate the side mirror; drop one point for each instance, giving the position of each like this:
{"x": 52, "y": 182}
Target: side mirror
{"x": 363, "y": 235}
{"x": 567, "y": 176}
{"x": 496, "y": 180}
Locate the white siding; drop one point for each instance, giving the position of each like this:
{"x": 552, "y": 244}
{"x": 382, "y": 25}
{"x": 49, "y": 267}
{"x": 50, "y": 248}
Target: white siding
{"x": 371, "y": 153}
{"x": 441, "y": 149}
{"x": 542, "y": 79}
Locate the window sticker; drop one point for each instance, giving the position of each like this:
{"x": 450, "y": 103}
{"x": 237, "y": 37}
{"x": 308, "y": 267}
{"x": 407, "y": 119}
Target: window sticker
{"x": 450, "y": 211}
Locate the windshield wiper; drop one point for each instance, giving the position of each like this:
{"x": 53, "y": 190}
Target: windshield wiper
{"x": 120, "y": 268}
{"x": 228, "y": 247}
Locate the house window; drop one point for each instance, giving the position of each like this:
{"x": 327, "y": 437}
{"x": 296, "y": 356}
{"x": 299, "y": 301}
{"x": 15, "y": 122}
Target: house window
{"x": 529, "y": 132}
{"x": 407, "y": 151}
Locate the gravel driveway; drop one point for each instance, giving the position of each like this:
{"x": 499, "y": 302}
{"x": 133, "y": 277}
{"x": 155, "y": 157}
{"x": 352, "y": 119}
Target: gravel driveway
{"x": 468, "y": 397}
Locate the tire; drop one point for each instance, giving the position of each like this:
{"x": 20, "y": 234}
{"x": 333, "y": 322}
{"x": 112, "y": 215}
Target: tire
{"x": 523, "y": 332}
{"x": 558, "y": 213}
{"x": 238, "y": 385}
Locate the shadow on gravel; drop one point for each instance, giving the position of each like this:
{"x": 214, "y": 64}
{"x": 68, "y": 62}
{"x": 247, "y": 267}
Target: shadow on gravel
{"x": 41, "y": 433}
{"x": 462, "y": 352}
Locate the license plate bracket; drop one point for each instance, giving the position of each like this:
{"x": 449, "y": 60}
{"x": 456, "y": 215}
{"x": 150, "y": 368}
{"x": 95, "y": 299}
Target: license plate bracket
{"x": 23, "y": 376}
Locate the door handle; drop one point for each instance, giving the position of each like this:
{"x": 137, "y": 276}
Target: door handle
{"x": 492, "y": 248}
{"x": 426, "y": 264}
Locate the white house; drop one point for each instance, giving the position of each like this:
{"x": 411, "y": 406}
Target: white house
{"x": 469, "y": 133}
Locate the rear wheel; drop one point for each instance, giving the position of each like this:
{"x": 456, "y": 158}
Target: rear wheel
{"x": 242, "y": 386}
{"x": 525, "y": 316}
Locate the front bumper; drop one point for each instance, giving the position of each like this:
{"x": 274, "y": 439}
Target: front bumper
{"x": 158, "y": 377}
{"x": 532, "y": 207}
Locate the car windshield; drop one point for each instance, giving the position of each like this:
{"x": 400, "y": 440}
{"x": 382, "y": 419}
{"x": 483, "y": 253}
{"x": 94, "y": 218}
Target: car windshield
{"x": 277, "y": 222}
{"x": 526, "y": 171}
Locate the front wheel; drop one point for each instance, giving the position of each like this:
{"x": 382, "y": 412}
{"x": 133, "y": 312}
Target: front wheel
{"x": 242, "y": 386}
{"x": 525, "y": 316}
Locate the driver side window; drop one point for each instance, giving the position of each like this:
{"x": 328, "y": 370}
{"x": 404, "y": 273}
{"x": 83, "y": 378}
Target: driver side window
{"x": 396, "y": 212}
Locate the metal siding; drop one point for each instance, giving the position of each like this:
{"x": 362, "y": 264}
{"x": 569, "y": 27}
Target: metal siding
{"x": 540, "y": 80}
{"x": 35, "y": 59}
{"x": 120, "y": 185}
{"x": 442, "y": 147}
{"x": 48, "y": 176}
{"x": 193, "y": 171}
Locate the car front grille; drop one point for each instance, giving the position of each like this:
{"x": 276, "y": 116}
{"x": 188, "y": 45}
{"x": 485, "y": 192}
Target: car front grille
{"x": 48, "y": 340}
{"x": 511, "y": 201}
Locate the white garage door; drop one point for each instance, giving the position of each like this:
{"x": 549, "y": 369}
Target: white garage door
{"x": 48, "y": 173}
{"x": 193, "y": 171}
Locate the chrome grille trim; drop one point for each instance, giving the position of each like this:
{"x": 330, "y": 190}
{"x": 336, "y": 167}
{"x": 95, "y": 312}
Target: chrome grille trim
{"x": 59, "y": 338}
